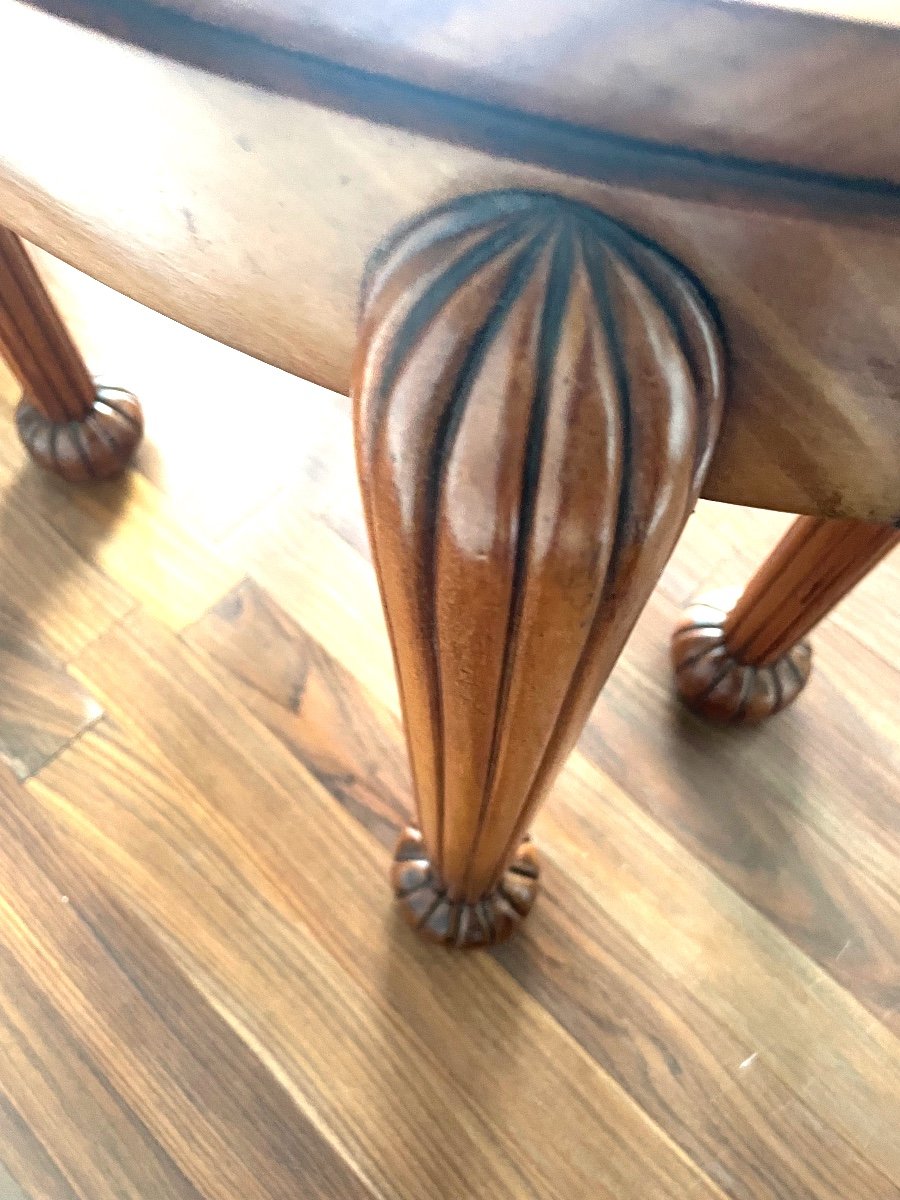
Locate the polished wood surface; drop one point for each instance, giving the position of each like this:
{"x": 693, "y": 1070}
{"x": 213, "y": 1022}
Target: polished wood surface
{"x": 721, "y": 78}
{"x": 69, "y": 425}
{"x": 537, "y": 395}
{"x": 743, "y": 657}
{"x": 251, "y": 216}
{"x": 205, "y": 993}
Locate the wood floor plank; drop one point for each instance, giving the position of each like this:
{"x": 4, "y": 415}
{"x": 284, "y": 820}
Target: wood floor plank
{"x": 312, "y": 703}
{"x": 317, "y": 577}
{"x": 171, "y": 571}
{"x": 44, "y": 582}
{"x": 822, "y": 1042}
{"x": 650, "y": 1031}
{"x": 871, "y": 618}
{"x": 9, "y": 1189}
{"x": 791, "y": 815}
{"x": 65, "y": 1099}
{"x": 87, "y": 987}
{"x": 206, "y": 406}
{"x": 42, "y": 708}
{"x": 351, "y": 633}
{"x": 29, "y": 1160}
{"x": 126, "y": 529}
{"x": 312, "y": 906}
{"x": 703, "y": 1004}
{"x": 806, "y": 831}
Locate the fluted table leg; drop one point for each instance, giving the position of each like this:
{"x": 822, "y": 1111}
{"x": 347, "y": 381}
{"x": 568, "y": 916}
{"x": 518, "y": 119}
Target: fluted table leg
{"x": 537, "y": 394}
{"x": 68, "y": 425}
{"x": 742, "y": 659}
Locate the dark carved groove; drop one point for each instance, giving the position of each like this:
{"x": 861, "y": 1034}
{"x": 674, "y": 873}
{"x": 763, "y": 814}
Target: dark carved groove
{"x": 538, "y": 391}
{"x": 68, "y": 423}
{"x": 740, "y": 658}
{"x": 95, "y": 446}
{"x": 713, "y": 680}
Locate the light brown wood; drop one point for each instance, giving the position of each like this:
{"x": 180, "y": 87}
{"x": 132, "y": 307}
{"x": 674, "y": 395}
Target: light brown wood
{"x": 723, "y": 78}
{"x": 744, "y": 658}
{"x": 205, "y": 992}
{"x": 41, "y": 707}
{"x": 809, "y": 571}
{"x": 250, "y": 216}
{"x": 35, "y": 340}
{"x": 69, "y": 425}
{"x": 537, "y": 397}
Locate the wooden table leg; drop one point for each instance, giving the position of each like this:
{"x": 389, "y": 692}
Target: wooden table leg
{"x": 68, "y": 425}
{"x": 740, "y": 660}
{"x": 537, "y": 395}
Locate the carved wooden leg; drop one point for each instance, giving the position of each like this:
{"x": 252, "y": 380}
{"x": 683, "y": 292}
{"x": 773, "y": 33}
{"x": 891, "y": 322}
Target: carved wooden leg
{"x": 67, "y": 424}
{"x": 537, "y": 394}
{"x": 741, "y": 659}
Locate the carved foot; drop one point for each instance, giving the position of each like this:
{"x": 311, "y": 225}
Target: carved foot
{"x": 484, "y": 922}
{"x": 96, "y": 446}
{"x": 537, "y": 394}
{"x": 713, "y": 681}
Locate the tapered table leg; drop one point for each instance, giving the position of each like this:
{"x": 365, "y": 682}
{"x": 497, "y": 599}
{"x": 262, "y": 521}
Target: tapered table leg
{"x": 537, "y": 394}
{"x": 742, "y": 659}
{"x": 68, "y": 425}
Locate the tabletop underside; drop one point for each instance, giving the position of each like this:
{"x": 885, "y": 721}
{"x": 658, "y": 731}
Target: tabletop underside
{"x": 249, "y": 214}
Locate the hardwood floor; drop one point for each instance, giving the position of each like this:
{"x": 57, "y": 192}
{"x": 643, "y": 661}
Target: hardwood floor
{"x": 204, "y": 990}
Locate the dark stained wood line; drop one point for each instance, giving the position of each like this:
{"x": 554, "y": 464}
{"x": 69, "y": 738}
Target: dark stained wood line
{"x": 505, "y": 132}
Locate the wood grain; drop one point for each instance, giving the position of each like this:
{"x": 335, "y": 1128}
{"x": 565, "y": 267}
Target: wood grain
{"x": 251, "y": 216}
{"x": 703, "y": 1004}
{"x": 68, "y": 424}
{"x": 724, "y": 79}
{"x": 656, "y": 1036}
{"x": 743, "y": 658}
{"x": 306, "y": 871}
{"x": 537, "y": 396}
{"x": 770, "y": 812}
{"x": 46, "y": 585}
{"x": 155, "y": 558}
{"x": 312, "y": 703}
{"x": 41, "y": 707}
{"x": 9, "y": 1189}
{"x": 124, "y": 990}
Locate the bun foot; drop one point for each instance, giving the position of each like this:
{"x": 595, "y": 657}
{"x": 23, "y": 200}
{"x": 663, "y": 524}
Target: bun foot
{"x": 95, "y": 446}
{"x": 712, "y": 680}
{"x": 426, "y": 905}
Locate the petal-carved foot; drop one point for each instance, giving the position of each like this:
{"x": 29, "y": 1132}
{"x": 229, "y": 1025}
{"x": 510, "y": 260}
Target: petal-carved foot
{"x": 426, "y": 905}
{"x": 97, "y": 446}
{"x": 713, "y": 682}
